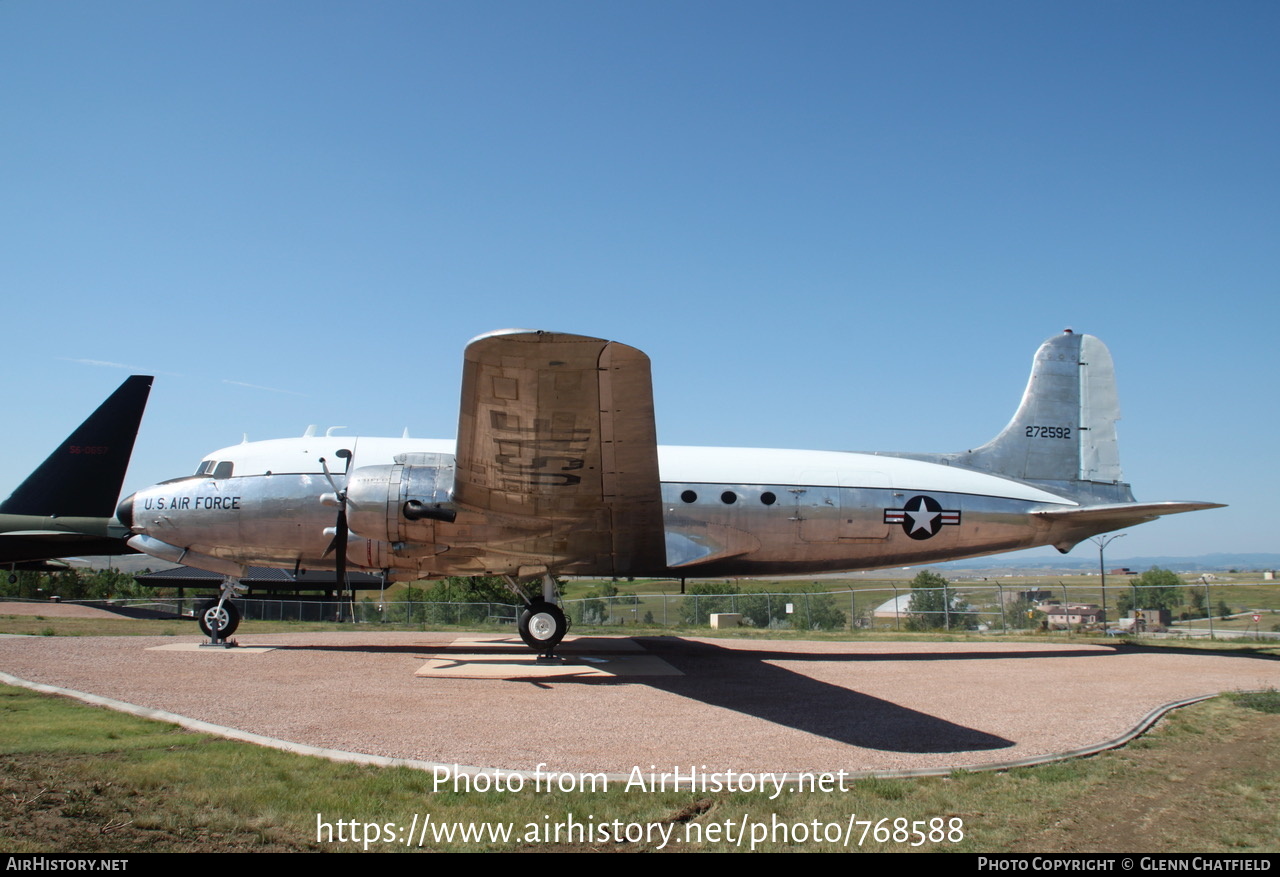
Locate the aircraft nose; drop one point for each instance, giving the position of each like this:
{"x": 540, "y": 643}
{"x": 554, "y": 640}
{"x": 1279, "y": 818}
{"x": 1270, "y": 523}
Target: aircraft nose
{"x": 124, "y": 511}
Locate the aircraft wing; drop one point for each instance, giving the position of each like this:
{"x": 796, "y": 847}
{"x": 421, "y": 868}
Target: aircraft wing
{"x": 557, "y": 453}
{"x": 20, "y": 547}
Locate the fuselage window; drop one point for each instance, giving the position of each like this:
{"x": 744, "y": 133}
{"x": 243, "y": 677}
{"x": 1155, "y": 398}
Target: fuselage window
{"x": 223, "y": 469}
{"x": 728, "y": 497}
{"x": 768, "y": 498}
{"x": 689, "y": 496}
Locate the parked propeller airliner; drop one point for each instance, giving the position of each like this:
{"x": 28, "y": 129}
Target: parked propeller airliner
{"x": 557, "y": 471}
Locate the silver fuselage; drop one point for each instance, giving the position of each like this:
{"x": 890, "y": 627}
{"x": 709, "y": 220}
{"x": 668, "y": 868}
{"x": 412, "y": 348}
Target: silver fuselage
{"x": 725, "y": 512}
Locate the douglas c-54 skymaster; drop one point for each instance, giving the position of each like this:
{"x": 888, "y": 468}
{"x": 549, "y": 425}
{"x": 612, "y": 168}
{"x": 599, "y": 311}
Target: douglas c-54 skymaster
{"x": 557, "y": 470}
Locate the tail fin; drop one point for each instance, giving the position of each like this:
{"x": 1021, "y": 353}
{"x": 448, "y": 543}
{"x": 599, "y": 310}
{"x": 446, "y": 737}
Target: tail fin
{"x": 82, "y": 478}
{"x": 1065, "y": 428}
{"x": 1064, "y": 435}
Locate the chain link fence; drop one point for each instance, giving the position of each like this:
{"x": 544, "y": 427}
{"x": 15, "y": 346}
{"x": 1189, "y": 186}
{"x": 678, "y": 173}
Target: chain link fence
{"x": 1226, "y": 610}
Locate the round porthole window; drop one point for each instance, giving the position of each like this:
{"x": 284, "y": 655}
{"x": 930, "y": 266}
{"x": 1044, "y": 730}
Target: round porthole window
{"x": 689, "y": 496}
{"x": 728, "y": 497}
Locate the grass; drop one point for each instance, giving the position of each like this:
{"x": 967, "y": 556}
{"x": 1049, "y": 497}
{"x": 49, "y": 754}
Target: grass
{"x": 1263, "y": 701}
{"x": 75, "y": 778}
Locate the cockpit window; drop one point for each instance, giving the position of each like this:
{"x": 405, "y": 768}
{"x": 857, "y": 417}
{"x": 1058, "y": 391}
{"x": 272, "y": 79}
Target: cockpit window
{"x": 205, "y": 467}
{"x": 223, "y": 469}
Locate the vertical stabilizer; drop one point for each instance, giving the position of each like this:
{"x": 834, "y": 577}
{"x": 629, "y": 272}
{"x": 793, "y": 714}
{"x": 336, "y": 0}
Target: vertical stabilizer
{"x": 82, "y": 478}
{"x": 1065, "y": 428}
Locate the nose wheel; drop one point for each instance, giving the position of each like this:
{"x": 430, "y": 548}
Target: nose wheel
{"x": 542, "y": 626}
{"x": 218, "y": 619}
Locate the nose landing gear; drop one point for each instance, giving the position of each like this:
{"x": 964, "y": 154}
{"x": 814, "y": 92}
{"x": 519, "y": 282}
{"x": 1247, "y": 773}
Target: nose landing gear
{"x": 219, "y": 618}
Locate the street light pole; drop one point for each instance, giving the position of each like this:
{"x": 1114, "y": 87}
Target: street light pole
{"x": 1102, "y": 542}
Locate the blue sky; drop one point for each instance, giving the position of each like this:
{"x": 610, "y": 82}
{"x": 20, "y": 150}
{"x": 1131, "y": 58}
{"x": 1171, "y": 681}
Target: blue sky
{"x": 838, "y": 225}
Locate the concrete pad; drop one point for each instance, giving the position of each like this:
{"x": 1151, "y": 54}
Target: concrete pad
{"x": 571, "y": 645}
{"x": 504, "y": 667}
{"x": 510, "y": 658}
{"x": 202, "y": 648}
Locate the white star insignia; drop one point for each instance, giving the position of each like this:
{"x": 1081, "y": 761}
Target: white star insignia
{"x": 921, "y": 518}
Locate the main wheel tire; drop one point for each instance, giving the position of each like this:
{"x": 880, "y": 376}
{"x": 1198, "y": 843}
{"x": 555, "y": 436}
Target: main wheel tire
{"x": 228, "y": 618}
{"x": 542, "y": 626}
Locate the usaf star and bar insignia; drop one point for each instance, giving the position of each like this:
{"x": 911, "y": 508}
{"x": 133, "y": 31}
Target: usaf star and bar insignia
{"x": 922, "y": 517}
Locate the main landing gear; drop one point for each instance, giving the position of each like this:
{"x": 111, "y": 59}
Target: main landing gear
{"x": 219, "y": 618}
{"x": 542, "y": 624}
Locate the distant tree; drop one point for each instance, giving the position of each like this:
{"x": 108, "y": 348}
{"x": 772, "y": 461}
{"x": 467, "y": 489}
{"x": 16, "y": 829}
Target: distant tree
{"x": 1197, "y": 606}
{"x": 934, "y": 605}
{"x": 476, "y": 592}
{"x": 470, "y": 589}
{"x": 703, "y": 600}
{"x": 811, "y": 611}
{"x": 69, "y": 584}
{"x": 1158, "y": 589}
{"x": 594, "y": 607}
{"x": 1022, "y": 615}
{"x": 817, "y": 612}
{"x": 109, "y": 584}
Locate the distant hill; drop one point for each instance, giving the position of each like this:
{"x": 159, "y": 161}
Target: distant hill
{"x": 1200, "y": 563}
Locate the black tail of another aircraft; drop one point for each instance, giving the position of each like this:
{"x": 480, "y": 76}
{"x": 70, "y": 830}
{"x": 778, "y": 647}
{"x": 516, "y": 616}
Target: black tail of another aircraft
{"x": 82, "y": 478}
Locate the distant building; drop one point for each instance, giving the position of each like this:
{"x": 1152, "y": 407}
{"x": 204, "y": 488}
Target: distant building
{"x": 1149, "y": 620}
{"x": 1060, "y": 617}
{"x": 898, "y": 607}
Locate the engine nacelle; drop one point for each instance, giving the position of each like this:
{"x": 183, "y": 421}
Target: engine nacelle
{"x": 402, "y": 502}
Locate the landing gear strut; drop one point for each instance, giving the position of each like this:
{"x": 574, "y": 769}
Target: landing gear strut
{"x": 542, "y": 624}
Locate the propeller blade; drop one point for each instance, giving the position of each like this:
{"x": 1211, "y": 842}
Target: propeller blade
{"x": 340, "y": 548}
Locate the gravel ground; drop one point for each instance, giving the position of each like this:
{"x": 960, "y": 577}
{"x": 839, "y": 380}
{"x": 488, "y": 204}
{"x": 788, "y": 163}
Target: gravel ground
{"x": 741, "y": 705}
{"x": 55, "y": 610}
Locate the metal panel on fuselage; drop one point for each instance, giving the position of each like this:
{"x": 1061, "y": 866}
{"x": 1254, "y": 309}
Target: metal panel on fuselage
{"x": 871, "y": 528}
{"x": 780, "y": 512}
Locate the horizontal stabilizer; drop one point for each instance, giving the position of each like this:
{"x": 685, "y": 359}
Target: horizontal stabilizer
{"x": 1077, "y": 524}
